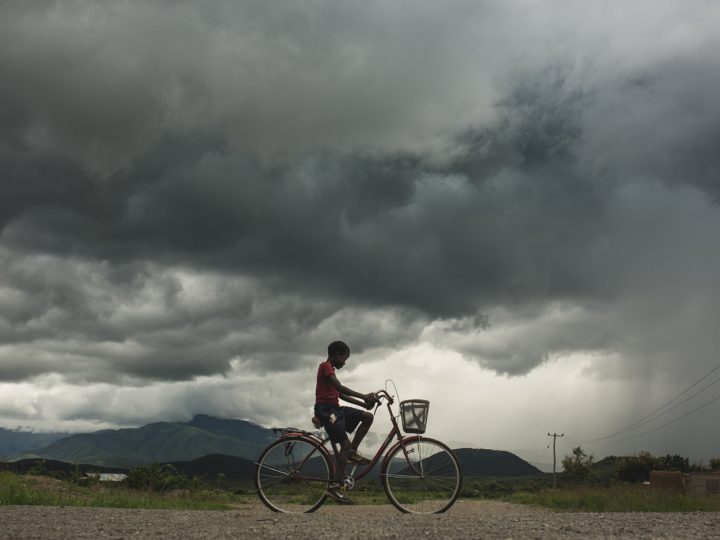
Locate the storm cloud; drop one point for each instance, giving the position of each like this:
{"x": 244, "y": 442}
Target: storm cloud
{"x": 192, "y": 191}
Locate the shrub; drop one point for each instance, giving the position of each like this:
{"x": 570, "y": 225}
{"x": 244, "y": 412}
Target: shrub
{"x": 636, "y": 468}
{"x": 77, "y": 477}
{"x": 38, "y": 468}
{"x": 578, "y": 465}
{"x": 157, "y": 477}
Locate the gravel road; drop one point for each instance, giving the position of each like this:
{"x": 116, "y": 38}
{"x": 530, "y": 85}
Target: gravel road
{"x": 467, "y": 519}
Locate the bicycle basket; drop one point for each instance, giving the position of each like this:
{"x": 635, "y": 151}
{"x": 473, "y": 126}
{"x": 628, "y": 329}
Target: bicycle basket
{"x": 414, "y": 413}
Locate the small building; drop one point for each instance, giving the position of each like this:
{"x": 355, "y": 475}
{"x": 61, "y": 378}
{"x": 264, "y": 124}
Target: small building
{"x": 670, "y": 480}
{"x": 704, "y": 483}
{"x": 108, "y": 477}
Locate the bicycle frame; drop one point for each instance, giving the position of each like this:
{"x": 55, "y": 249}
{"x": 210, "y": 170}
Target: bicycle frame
{"x": 395, "y": 432}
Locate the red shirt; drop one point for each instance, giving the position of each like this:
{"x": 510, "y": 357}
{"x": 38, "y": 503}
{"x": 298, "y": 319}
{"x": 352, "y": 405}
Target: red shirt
{"x": 325, "y": 392}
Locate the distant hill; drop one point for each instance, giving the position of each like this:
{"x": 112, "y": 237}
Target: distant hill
{"x": 237, "y": 429}
{"x": 14, "y": 442}
{"x": 52, "y": 467}
{"x": 482, "y": 462}
{"x": 161, "y": 442}
{"x": 207, "y": 446}
{"x": 233, "y": 467}
{"x": 473, "y": 462}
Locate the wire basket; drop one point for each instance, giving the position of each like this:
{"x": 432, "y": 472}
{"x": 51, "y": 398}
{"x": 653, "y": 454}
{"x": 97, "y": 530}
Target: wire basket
{"x": 414, "y": 413}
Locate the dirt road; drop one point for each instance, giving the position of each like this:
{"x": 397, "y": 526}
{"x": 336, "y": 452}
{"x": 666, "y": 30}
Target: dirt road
{"x": 467, "y": 519}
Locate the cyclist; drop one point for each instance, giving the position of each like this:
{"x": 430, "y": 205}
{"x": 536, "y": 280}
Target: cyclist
{"x": 339, "y": 421}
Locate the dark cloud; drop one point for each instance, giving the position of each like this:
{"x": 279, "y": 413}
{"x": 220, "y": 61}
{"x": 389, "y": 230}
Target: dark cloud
{"x": 182, "y": 190}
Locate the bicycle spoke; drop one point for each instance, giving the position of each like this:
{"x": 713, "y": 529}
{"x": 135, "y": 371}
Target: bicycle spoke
{"x": 425, "y": 478}
{"x": 275, "y": 470}
{"x": 267, "y": 483}
{"x": 292, "y": 475}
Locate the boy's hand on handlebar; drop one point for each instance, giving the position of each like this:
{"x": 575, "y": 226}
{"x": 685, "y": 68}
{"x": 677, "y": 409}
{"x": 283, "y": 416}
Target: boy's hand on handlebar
{"x": 370, "y": 400}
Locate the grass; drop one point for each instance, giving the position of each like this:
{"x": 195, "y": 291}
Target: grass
{"x": 624, "y": 498}
{"x": 41, "y": 490}
{"x": 31, "y": 490}
{"x": 36, "y": 490}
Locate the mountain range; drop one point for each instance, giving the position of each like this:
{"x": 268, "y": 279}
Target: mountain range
{"x": 159, "y": 442}
{"x": 15, "y": 441}
{"x": 205, "y": 445}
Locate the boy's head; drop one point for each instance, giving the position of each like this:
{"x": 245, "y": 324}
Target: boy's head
{"x": 338, "y": 353}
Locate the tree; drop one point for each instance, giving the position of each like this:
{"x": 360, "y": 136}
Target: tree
{"x": 578, "y": 465}
{"x": 673, "y": 463}
{"x": 715, "y": 463}
{"x": 156, "y": 477}
{"x": 637, "y": 467}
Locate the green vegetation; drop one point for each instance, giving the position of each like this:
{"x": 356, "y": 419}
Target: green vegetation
{"x": 637, "y": 467}
{"x": 157, "y": 477}
{"x": 38, "y": 490}
{"x": 620, "y": 498}
{"x": 613, "y": 484}
{"x": 497, "y": 487}
{"x": 579, "y": 465}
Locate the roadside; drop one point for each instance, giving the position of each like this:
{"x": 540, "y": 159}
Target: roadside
{"x": 467, "y": 519}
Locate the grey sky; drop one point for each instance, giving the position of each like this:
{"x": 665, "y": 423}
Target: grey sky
{"x": 213, "y": 192}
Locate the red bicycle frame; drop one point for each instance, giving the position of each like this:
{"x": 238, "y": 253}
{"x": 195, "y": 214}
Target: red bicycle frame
{"x": 395, "y": 432}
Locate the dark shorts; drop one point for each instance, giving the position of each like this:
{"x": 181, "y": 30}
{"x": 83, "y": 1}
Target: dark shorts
{"x": 346, "y": 420}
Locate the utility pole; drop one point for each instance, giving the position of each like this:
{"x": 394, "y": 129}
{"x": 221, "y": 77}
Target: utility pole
{"x": 554, "y": 436}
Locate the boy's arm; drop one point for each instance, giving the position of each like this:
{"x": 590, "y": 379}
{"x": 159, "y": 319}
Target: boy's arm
{"x": 346, "y": 392}
{"x": 354, "y": 401}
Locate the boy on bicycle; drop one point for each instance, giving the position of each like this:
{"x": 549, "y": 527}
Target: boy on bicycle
{"x": 339, "y": 421}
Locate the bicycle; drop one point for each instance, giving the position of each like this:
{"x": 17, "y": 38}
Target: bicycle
{"x": 419, "y": 474}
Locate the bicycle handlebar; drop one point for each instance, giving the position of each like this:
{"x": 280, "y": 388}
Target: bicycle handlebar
{"x": 383, "y": 394}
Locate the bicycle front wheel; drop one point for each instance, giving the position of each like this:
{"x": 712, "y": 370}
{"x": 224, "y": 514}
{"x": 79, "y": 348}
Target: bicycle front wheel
{"x": 421, "y": 476}
{"x": 292, "y": 475}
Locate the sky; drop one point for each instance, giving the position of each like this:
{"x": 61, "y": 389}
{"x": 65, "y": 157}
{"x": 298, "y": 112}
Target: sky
{"x": 510, "y": 208}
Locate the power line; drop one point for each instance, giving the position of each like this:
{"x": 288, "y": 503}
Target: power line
{"x": 647, "y": 418}
{"x": 574, "y": 440}
{"x": 577, "y": 443}
{"x": 682, "y": 402}
{"x": 707, "y": 404}
{"x": 638, "y": 424}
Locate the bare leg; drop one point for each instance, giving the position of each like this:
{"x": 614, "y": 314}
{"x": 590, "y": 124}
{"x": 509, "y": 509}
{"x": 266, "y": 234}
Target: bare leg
{"x": 342, "y": 457}
{"x": 362, "y": 429}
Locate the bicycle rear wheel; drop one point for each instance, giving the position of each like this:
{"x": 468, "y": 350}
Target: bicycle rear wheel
{"x": 292, "y": 475}
{"x": 424, "y": 479}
